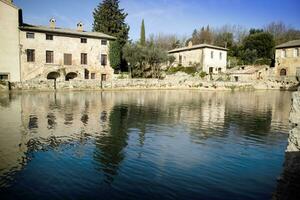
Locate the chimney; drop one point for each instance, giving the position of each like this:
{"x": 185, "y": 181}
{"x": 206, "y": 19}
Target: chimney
{"x": 52, "y": 22}
{"x": 80, "y": 26}
{"x": 190, "y": 44}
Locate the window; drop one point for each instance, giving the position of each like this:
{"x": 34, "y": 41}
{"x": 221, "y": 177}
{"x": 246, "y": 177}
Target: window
{"x": 84, "y": 59}
{"x": 296, "y": 52}
{"x": 30, "y": 55}
{"x": 211, "y": 54}
{"x": 67, "y": 59}
{"x": 283, "y": 72}
{"x": 103, "y": 59}
{"x": 29, "y": 35}
{"x": 220, "y": 55}
{"x": 3, "y": 76}
{"x": 83, "y": 40}
{"x": 180, "y": 59}
{"x": 49, "y": 56}
{"x": 283, "y": 53}
{"x": 93, "y": 75}
{"x": 49, "y": 37}
{"x": 103, "y": 42}
{"x": 103, "y": 77}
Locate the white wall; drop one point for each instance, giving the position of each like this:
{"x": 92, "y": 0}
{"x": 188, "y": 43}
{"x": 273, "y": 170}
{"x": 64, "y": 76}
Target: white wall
{"x": 215, "y": 62}
{"x": 9, "y": 41}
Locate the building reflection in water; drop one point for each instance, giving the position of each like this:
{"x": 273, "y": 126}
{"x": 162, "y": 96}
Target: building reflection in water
{"x": 106, "y": 117}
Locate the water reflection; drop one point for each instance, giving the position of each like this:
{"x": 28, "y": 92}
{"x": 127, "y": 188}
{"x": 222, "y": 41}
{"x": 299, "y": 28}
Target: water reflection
{"x": 110, "y": 121}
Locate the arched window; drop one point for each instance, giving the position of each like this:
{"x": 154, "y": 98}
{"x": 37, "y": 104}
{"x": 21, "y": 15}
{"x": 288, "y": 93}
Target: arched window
{"x": 283, "y": 72}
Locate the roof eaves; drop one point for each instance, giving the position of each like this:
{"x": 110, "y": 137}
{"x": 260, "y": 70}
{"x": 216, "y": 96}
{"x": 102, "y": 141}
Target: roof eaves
{"x": 66, "y": 31}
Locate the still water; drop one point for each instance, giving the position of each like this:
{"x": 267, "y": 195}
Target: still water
{"x": 142, "y": 144}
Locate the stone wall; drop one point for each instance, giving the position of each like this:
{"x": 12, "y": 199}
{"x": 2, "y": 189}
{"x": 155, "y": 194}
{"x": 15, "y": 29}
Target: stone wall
{"x": 9, "y": 41}
{"x": 183, "y": 82}
{"x": 289, "y": 183}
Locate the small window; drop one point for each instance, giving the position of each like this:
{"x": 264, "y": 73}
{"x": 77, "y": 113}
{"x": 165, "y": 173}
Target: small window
{"x": 49, "y": 56}
{"x": 211, "y": 54}
{"x": 49, "y": 37}
{"x": 103, "y": 59}
{"x": 83, "y": 40}
{"x": 220, "y": 55}
{"x": 103, "y": 42}
{"x": 29, "y": 35}
{"x": 283, "y": 53}
{"x": 30, "y": 55}
{"x": 93, "y": 75}
{"x": 283, "y": 72}
{"x": 296, "y": 52}
{"x": 84, "y": 59}
{"x": 103, "y": 77}
{"x": 67, "y": 59}
{"x": 3, "y": 76}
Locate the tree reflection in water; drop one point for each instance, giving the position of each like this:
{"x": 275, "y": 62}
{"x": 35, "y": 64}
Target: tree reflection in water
{"x": 109, "y": 148}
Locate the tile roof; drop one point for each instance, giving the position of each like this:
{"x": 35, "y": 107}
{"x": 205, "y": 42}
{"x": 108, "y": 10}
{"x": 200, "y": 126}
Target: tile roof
{"x": 292, "y": 43}
{"x": 199, "y": 46}
{"x": 28, "y": 27}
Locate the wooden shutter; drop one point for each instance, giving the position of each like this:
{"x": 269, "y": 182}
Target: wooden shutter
{"x": 67, "y": 59}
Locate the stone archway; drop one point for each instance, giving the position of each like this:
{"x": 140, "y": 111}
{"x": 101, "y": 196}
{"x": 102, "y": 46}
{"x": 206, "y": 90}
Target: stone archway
{"x": 71, "y": 75}
{"x": 283, "y": 72}
{"x": 53, "y": 75}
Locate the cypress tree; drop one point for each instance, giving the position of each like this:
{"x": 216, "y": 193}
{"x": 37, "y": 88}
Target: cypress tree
{"x": 143, "y": 34}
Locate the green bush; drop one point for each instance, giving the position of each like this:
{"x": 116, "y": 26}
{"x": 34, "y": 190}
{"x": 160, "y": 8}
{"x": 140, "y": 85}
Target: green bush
{"x": 188, "y": 70}
{"x": 202, "y": 74}
{"x": 263, "y": 61}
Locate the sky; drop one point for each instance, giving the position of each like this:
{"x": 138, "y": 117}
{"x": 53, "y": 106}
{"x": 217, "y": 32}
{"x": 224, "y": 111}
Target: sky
{"x": 179, "y": 17}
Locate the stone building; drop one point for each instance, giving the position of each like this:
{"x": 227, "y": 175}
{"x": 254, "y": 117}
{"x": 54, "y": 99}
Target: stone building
{"x": 63, "y": 54}
{"x": 9, "y": 41}
{"x": 249, "y": 73}
{"x": 212, "y": 59}
{"x": 287, "y": 60}
{"x": 49, "y": 52}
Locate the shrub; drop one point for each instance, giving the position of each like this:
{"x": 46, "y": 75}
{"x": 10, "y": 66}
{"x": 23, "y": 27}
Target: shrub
{"x": 263, "y": 61}
{"x": 202, "y": 74}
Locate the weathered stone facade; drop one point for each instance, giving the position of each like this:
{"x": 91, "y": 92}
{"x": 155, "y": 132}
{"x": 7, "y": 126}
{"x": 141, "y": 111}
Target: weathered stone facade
{"x": 287, "y": 60}
{"x": 212, "y": 59}
{"x": 61, "y": 44}
{"x": 30, "y": 52}
{"x": 250, "y": 73}
{"x": 9, "y": 41}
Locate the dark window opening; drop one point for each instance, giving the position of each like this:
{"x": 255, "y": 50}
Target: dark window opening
{"x": 86, "y": 74}
{"x": 83, "y": 40}
{"x": 103, "y": 42}
{"x": 67, "y": 59}
{"x": 84, "y": 59}
{"x": 49, "y": 37}
{"x": 49, "y": 56}
{"x": 283, "y": 72}
{"x": 103, "y": 77}
{"x": 3, "y": 76}
{"x": 103, "y": 59}
{"x": 29, "y": 35}
{"x": 30, "y": 55}
{"x": 93, "y": 75}
{"x": 180, "y": 59}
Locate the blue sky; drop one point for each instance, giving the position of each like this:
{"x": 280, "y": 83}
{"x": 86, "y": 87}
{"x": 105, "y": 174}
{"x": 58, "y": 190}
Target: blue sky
{"x": 179, "y": 17}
